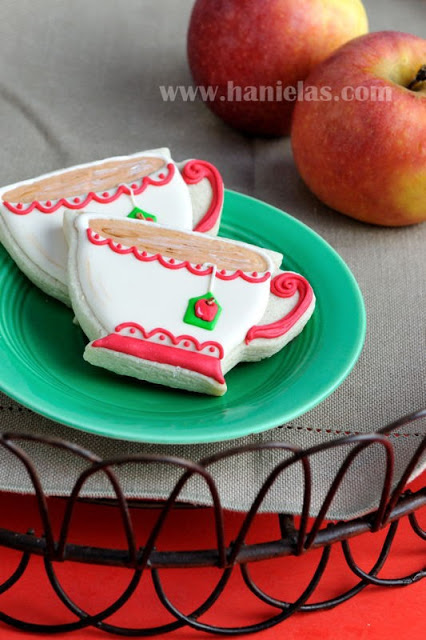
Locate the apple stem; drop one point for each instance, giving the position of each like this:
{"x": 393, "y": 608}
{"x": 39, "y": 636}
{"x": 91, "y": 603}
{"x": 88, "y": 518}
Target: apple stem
{"x": 420, "y": 77}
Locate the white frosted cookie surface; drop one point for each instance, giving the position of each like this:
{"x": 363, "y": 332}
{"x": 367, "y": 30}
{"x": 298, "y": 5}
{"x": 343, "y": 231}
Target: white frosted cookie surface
{"x": 31, "y": 212}
{"x": 178, "y": 308}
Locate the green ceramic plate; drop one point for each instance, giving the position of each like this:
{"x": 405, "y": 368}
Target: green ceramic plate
{"x": 41, "y": 364}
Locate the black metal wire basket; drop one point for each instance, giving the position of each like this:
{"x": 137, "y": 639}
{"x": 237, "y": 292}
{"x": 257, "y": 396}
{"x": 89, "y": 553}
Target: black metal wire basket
{"x": 298, "y": 536}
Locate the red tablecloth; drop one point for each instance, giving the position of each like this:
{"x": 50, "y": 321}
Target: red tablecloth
{"x": 379, "y": 613}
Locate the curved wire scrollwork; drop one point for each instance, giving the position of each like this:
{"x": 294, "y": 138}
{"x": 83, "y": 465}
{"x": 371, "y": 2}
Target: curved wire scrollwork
{"x": 393, "y": 506}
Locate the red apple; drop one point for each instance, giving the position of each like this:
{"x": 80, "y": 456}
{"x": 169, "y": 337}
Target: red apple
{"x": 253, "y": 50}
{"x": 366, "y": 157}
{"x": 206, "y": 309}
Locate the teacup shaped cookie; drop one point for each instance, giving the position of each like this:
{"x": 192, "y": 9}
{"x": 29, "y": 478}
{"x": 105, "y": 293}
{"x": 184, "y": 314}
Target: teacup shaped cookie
{"x": 175, "y": 307}
{"x": 145, "y": 186}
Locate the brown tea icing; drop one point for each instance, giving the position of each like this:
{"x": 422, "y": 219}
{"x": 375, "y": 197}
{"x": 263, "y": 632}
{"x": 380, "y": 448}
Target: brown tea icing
{"x": 179, "y": 245}
{"x": 98, "y": 177}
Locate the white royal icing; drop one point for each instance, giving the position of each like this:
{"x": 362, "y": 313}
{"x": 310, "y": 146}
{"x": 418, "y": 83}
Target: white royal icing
{"x": 120, "y": 288}
{"x": 40, "y": 236}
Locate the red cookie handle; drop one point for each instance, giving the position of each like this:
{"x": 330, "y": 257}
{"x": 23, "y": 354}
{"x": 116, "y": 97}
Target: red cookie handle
{"x": 285, "y": 285}
{"x": 193, "y": 172}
